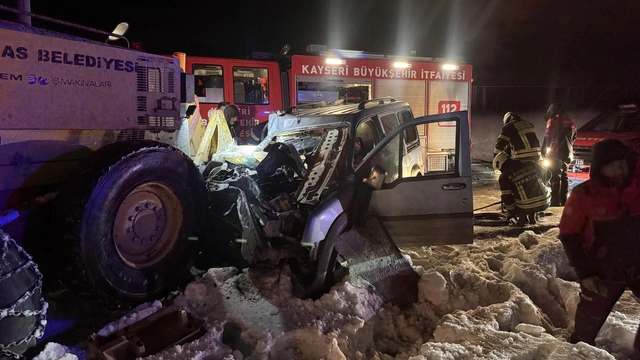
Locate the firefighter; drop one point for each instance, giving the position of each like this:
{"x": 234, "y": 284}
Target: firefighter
{"x": 518, "y": 139}
{"x": 599, "y": 232}
{"x": 523, "y": 187}
{"x": 231, "y": 114}
{"x": 557, "y": 148}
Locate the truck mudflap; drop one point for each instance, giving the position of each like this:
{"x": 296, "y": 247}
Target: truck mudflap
{"x": 168, "y": 327}
{"x": 372, "y": 256}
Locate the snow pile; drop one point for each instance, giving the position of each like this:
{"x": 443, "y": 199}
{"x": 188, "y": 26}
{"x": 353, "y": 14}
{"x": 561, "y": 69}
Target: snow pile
{"x": 53, "y": 351}
{"x": 509, "y": 298}
{"x": 137, "y": 314}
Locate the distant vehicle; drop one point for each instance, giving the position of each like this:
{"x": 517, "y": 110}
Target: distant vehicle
{"x": 622, "y": 124}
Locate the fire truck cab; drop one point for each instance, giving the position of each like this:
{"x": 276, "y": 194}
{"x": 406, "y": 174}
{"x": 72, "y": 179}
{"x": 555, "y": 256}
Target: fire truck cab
{"x": 261, "y": 87}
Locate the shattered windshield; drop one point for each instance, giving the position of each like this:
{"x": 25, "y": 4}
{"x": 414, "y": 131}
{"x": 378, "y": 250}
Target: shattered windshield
{"x": 304, "y": 141}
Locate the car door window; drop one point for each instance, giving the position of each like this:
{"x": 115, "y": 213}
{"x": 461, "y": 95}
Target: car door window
{"x": 388, "y": 158}
{"x": 441, "y": 152}
{"x": 389, "y": 122}
{"x": 365, "y": 140}
{"x": 411, "y": 134}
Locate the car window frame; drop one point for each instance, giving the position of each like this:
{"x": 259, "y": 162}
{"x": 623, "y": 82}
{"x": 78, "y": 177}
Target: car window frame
{"x": 362, "y": 173}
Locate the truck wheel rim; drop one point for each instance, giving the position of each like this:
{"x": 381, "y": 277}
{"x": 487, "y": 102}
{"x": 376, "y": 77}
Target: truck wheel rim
{"x": 147, "y": 224}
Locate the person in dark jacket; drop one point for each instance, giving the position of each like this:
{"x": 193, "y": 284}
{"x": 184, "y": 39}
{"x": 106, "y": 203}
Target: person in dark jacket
{"x": 523, "y": 184}
{"x": 518, "y": 139}
{"x": 258, "y": 133}
{"x": 231, "y": 114}
{"x": 600, "y": 232}
{"x": 557, "y": 147}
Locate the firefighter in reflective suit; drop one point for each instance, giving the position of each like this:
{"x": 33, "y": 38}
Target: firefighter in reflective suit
{"x": 518, "y": 139}
{"x": 557, "y": 147}
{"x": 600, "y": 232}
{"x": 524, "y": 187}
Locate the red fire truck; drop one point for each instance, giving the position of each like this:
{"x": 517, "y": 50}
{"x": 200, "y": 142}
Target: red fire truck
{"x": 260, "y": 87}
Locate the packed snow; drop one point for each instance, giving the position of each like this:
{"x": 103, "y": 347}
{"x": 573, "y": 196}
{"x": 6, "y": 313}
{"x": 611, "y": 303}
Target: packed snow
{"x": 507, "y": 298}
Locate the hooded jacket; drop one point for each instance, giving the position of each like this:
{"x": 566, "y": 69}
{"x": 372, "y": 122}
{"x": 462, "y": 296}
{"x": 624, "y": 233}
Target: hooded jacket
{"x": 597, "y": 215}
{"x": 231, "y": 111}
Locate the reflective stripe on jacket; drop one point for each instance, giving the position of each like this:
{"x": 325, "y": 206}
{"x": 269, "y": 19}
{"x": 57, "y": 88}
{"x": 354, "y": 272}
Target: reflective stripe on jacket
{"x": 524, "y": 186}
{"x": 518, "y": 139}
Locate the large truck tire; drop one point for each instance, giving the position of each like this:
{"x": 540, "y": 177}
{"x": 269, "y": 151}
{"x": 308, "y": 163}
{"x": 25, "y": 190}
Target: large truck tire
{"x": 133, "y": 217}
{"x": 22, "y": 308}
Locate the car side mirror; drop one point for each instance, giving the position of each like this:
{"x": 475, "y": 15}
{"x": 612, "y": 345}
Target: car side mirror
{"x": 376, "y": 177}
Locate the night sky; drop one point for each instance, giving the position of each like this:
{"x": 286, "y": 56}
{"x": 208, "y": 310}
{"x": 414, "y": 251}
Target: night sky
{"x": 509, "y": 42}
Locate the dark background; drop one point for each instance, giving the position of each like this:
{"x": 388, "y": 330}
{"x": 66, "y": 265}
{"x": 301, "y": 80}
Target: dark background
{"x": 509, "y": 42}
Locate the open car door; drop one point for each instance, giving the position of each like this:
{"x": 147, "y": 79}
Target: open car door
{"x": 430, "y": 208}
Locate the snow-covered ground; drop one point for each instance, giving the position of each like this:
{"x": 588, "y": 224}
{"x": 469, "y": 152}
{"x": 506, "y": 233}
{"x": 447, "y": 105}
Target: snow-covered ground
{"x": 510, "y": 295}
{"x": 507, "y": 298}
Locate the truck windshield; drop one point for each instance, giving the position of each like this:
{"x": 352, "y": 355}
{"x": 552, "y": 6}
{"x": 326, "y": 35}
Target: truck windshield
{"x": 614, "y": 122}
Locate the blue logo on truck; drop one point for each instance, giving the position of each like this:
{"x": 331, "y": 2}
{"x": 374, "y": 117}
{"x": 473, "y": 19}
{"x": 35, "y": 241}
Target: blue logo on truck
{"x": 39, "y": 79}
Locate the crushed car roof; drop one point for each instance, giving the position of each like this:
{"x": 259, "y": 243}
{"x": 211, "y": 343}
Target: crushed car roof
{"x": 330, "y": 115}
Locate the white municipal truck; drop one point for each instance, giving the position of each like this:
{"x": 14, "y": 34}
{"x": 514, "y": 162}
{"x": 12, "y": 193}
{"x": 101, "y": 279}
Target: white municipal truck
{"x": 78, "y": 119}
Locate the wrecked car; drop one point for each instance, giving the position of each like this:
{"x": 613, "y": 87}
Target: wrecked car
{"x": 343, "y": 184}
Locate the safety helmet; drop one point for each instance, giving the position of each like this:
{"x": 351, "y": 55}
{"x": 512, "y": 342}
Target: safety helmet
{"x": 555, "y": 109}
{"x": 499, "y": 160}
{"x": 508, "y": 117}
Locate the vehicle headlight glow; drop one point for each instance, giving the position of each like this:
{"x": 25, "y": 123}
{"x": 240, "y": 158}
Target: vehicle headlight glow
{"x": 334, "y": 61}
{"x": 450, "y": 67}
{"x": 401, "y": 65}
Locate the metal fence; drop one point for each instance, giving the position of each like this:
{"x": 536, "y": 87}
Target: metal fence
{"x": 538, "y": 97}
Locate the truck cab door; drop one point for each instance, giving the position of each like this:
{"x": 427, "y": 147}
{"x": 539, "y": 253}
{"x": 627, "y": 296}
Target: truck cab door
{"x": 430, "y": 208}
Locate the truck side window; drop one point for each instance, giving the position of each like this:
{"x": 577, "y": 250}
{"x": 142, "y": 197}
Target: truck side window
{"x": 209, "y": 83}
{"x": 366, "y": 138}
{"x": 250, "y": 86}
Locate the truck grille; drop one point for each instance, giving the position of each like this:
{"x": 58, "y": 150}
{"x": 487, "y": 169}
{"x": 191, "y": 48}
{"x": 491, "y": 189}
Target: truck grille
{"x": 171, "y": 80}
{"x": 149, "y": 79}
{"x": 130, "y": 135}
{"x": 157, "y": 121}
{"x": 141, "y": 103}
{"x": 583, "y": 153}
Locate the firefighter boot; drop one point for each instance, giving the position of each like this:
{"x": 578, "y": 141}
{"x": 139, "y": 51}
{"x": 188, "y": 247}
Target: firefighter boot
{"x": 564, "y": 185}
{"x": 555, "y": 194}
{"x": 522, "y": 220}
{"x": 532, "y": 218}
